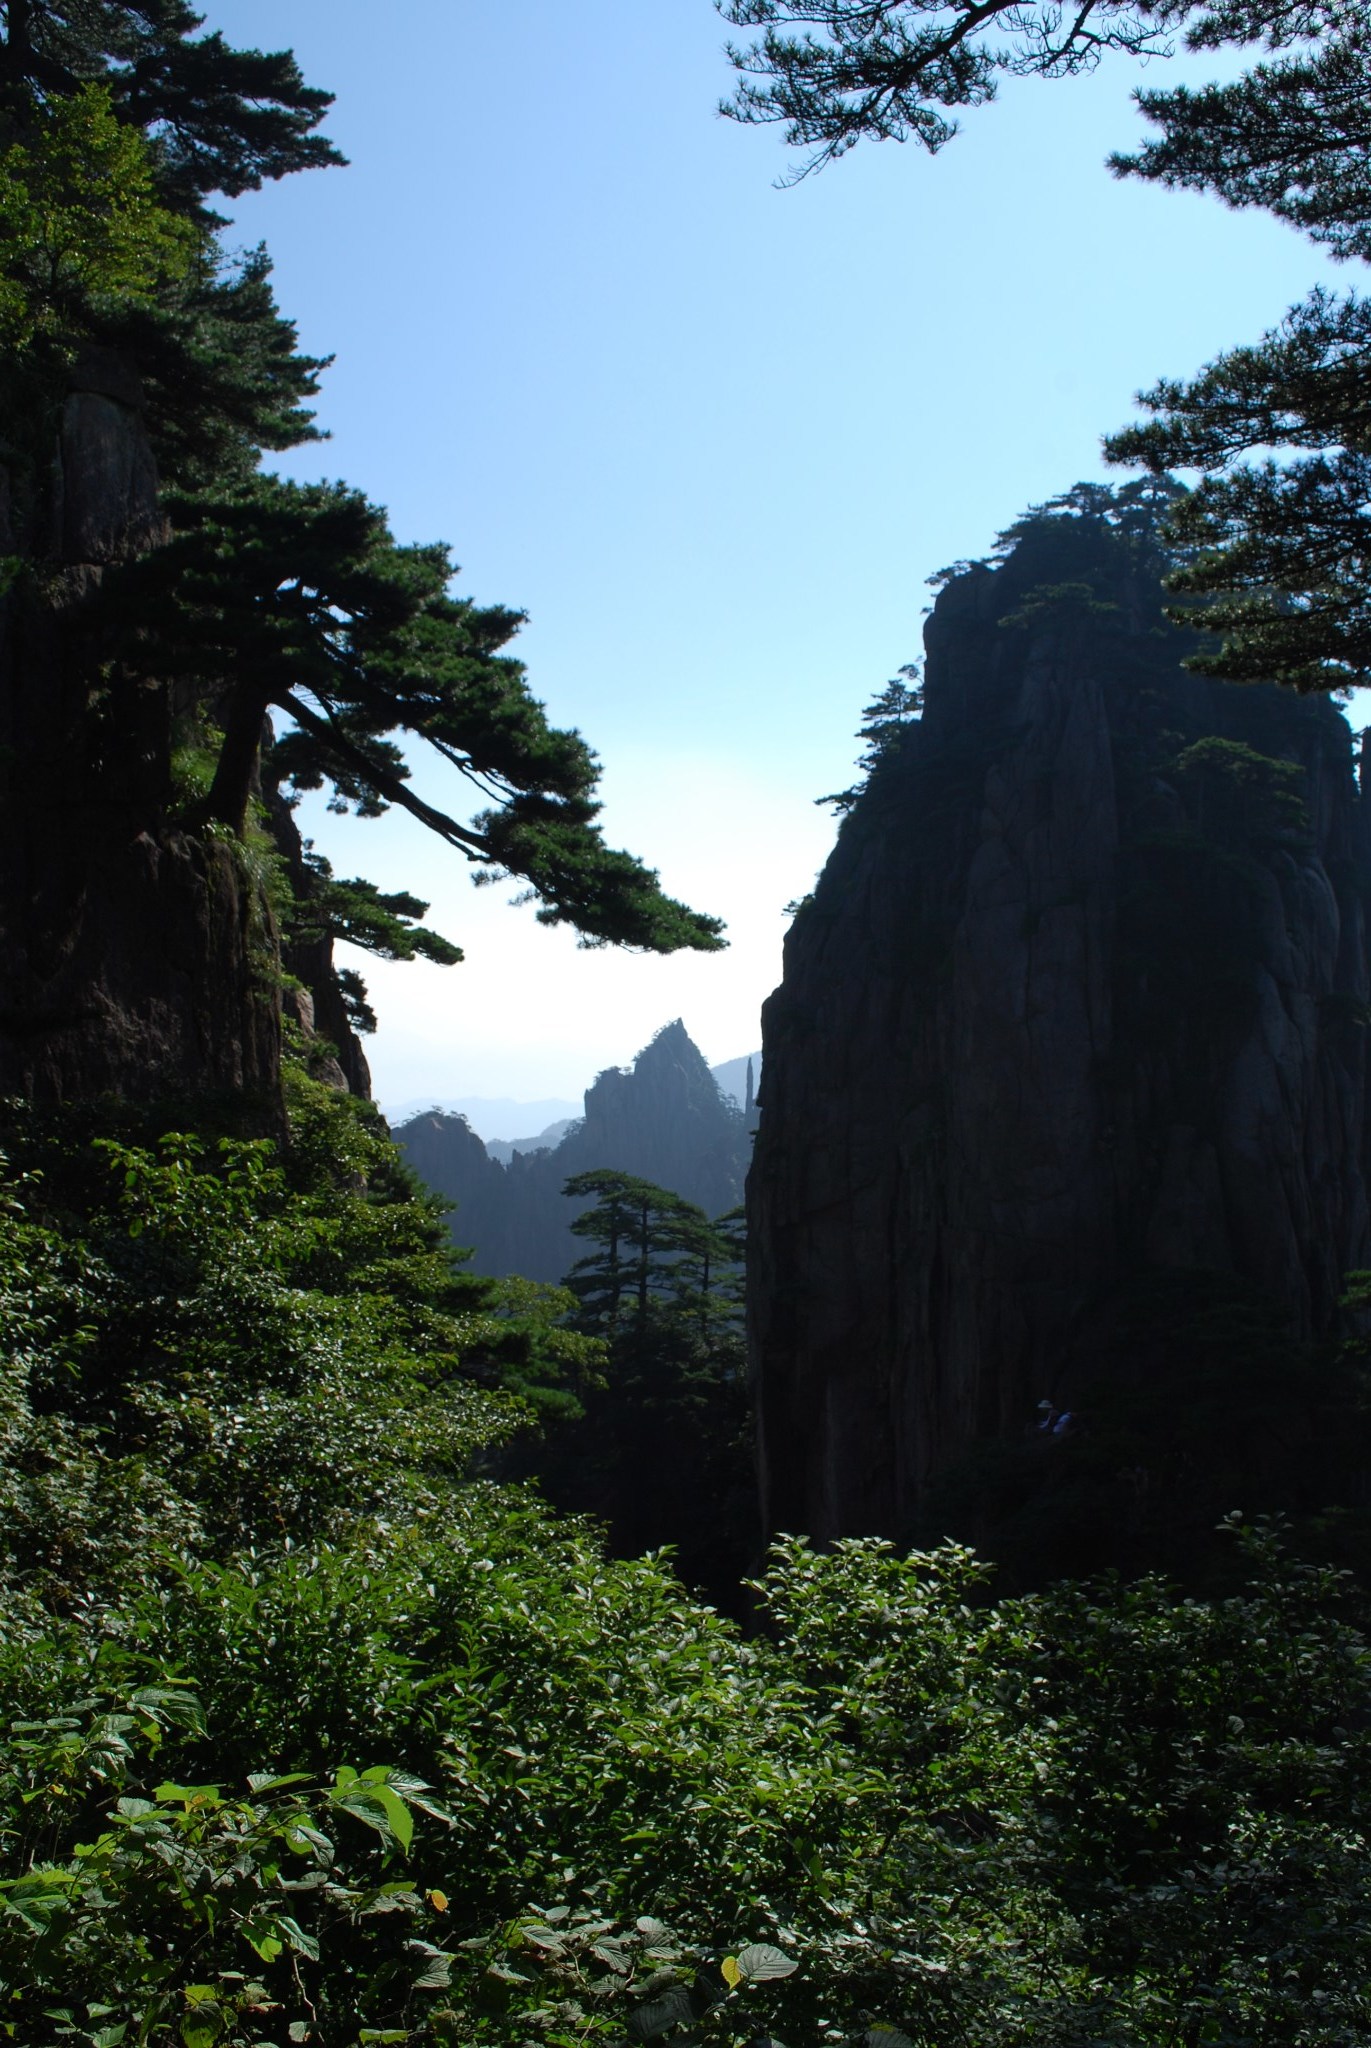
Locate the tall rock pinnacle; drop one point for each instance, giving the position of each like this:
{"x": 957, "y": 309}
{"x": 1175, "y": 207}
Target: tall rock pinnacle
{"x": 1079, "y": 1000}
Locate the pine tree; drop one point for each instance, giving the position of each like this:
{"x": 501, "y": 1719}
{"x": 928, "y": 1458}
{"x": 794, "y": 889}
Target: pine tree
{"x": 268, "y": 600}
{"x": 224, "y": 120}
{"x": 663, "y": 1451}
{"x": 296, "y": 598}
{"x": 1278, "y": 534}
{"x": 640, "y": 1230}
{"x": 884, "y": 723}
{"x": 896, "y": 70}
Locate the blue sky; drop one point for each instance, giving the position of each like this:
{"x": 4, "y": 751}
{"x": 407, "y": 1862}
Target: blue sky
{"x": 711, "y": 435}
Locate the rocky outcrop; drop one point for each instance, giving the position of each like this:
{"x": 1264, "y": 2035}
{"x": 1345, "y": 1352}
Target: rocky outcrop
{"x": 135, "y": 959}
{"x": 450, "y": 1159}
{"x": 138, "y": 958}
{"x": 664, "y": 1119}
{"x": 102, "y": 498}
{"x": 313, "y": 999}
{"x": 1079, "y": 999}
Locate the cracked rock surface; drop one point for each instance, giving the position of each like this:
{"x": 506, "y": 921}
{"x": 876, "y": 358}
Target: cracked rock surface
{"x": 1081, "y": 995}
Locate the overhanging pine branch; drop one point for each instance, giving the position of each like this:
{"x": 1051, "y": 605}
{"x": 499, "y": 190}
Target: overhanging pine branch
{"x": 384, "y": 780}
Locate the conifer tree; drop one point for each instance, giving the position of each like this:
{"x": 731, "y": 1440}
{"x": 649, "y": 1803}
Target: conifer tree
{"x": 219, "y": 119}
{"x": 663, "y": 1451}
{"x": 884, "y": 722}
{"x": 1278, "y": 534}
{"x": 269, "y": 600}
{"x": 640, "y": 1230}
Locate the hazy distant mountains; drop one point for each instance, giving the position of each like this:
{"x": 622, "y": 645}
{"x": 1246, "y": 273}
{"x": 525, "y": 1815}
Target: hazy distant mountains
{"x": 490, "y": 1116}
{"x": 542, "y": 1124}
{"x": 668, "y": 1118}
{"x": 733, "y": 1077}
{"x": 504, "y": 1149}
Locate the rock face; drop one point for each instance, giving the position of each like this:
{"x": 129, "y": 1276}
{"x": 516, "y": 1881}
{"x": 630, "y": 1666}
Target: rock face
{"x": 137, "y": 958}
{"x": 1079, "y": 998}
{"x": 317, "y": 1006}
{"x": 664, "y": 1120}
{"x": 450, "y": 1159}
{"x": 132, "y": 956}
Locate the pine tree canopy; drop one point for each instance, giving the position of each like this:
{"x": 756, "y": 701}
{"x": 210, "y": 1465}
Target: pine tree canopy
{"x": 1293, "y": 137}
{"x": 295, "y": 597}
{"x": 219, "y": 119}
{"x": 382, "y": 923}
{"x": 895, "y": 70}
{"x": 116, "y": 123}
{"x": 653, "y": 1247}
{"x": 1276, "y": 539}
{"x": 1278, "y": 551}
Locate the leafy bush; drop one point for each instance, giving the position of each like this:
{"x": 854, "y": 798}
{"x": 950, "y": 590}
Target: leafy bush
{"x": 319, "y": 1734}
{"x": 200, "y": 1916}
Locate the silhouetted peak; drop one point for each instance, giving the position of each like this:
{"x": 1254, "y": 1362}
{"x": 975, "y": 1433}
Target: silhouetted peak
{"x": 665, "y": 1119}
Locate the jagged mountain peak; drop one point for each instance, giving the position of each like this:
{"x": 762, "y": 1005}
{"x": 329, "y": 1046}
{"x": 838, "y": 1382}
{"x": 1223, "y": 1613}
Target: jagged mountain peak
{"x": 665, "y": 1118}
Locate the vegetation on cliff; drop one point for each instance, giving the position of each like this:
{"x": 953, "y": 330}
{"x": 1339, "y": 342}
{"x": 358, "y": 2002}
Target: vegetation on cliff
{"x": 229, "y": 595}
{"x": 315, "y": 1732}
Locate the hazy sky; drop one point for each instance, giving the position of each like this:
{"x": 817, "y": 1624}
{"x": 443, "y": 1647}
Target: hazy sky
{"x": 711, "y": 435}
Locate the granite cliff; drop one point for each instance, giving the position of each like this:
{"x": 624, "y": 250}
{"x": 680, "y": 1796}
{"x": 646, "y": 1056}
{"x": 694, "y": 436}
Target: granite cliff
{"x": 664, "y": 1119}
{"x": 140, "y": 956}
{"x": 1075, "y": 1020}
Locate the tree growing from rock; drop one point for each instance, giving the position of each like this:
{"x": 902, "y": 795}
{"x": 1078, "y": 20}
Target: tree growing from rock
{"x": 262, "y": 600}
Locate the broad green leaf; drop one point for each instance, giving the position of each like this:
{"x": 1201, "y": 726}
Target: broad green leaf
{"x": 296, "y": 1938}
{"x": 36, "y": 1901}
{"x": 760, "y": 1963}
{"x": 187, "y": 1795}
{"x": 302, "y": 1838}
{"x": 380, "y": 1808}
{"x": 262, "y": 1936}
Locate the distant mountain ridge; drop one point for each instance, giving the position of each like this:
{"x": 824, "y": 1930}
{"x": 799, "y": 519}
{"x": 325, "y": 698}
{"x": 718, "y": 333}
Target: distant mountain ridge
{"x": 665, "y": 1119}
{"x": 492, "y": 1117}
{"x": 504, "y": 1149}
{"x": 504, "y": 1122}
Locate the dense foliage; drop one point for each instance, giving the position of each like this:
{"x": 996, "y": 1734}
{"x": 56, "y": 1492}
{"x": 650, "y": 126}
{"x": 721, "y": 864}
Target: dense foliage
{"x": 315, "y": 1733}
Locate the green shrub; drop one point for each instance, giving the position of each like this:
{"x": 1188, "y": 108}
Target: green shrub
{"x": 316, "y": 1733}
